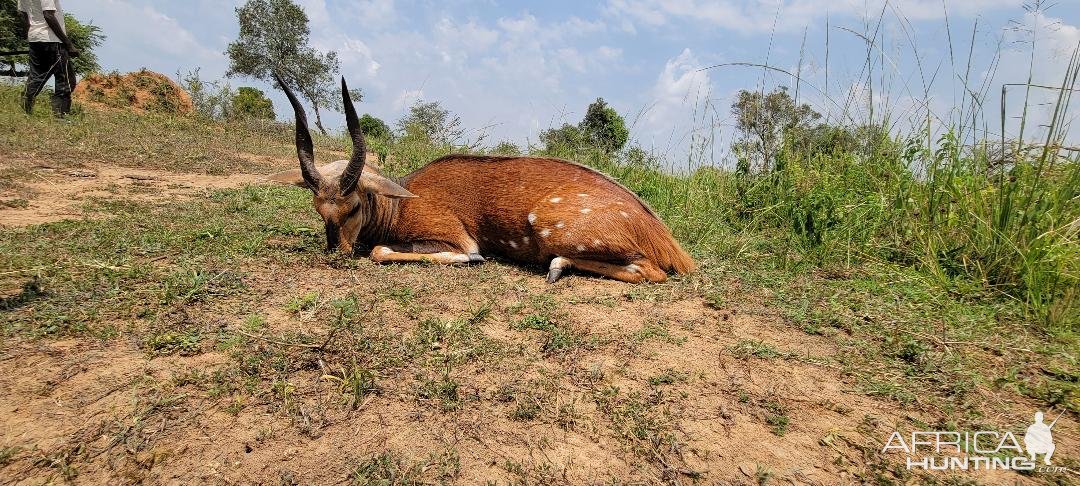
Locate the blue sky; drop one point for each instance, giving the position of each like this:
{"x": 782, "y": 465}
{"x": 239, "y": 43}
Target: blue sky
{"x": 512, "y": 69}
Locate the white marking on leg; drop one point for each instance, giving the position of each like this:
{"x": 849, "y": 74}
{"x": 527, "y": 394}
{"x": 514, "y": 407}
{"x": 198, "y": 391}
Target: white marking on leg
{"x": 532, "y": 218}
{"x": 586, "y": 210}
{"x": 544, "y": 233}
{"x": 559, "y": 224}
{"x": 452, "y": 256}
{"x": 560, "y": 263}
{"x": 555, "y": 199}
{"x": 632, "y": 268}
{"x": 385, "y": 250}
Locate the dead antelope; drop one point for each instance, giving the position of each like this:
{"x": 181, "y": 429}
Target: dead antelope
{"x": 460, "y": 207}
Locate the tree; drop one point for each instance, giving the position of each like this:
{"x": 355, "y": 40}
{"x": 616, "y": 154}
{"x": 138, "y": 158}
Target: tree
{"x": 252, "y": 103}
{"x": 86, "y": 38}
{"x": 374, "y": 128}
{"x": 604, "y": 127}
{"x": 506, "y": 147}
{"x": 763, "y": 122}
{"x": 565, "y": 137}
{"x": 273, "y": 37}
{"x": 211, "y": 99}
{"x": 431, "y": 120}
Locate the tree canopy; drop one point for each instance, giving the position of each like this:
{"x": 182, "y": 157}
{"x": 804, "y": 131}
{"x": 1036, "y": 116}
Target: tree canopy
{"x": 374, "y": 128}
{"x": 251, "y": 102}
{"x": 764, "y": 121}
{"x": 602, "y": 128}
{"x": 429, "y": 119}
{"x": 274, "y": 35}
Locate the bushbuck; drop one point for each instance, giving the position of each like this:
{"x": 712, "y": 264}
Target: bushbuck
{"x": 460, "y": 207}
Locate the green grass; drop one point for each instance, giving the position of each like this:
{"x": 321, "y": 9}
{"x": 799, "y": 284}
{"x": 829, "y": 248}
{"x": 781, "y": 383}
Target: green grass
{"x": 930, "y": 272}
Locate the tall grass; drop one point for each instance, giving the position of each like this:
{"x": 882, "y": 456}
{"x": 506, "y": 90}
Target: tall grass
{"x": 981, "y": 217}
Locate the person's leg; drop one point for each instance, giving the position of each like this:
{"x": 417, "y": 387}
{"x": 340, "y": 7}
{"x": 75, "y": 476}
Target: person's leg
{"x": 41, "y": 59}
{"x": 61, "y": 98}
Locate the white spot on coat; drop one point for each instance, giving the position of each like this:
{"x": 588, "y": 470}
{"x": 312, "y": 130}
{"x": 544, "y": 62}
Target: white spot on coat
{"x": 582, "y": 194}
{"x": 633, "y": 268}
{"x": 585, "y": 210}
{"x": 596, "y": 243}
{"x": 513, "y": 244}
{"x": 525, "y": 240}
{"x": 624, "y": 214}
{"x": 580, "y": 247}
{"x": 544, "y": 233}
{"x": 555, "y": 199}
{"x": 532, "y": 218}
{"x": 560, "y": 224}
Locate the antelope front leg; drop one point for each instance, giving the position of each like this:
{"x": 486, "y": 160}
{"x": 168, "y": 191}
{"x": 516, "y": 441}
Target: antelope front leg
{"x": 387, "y": 254}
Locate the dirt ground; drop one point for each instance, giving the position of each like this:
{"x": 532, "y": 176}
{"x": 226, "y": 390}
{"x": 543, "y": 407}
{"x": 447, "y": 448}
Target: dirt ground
{"x": 662, "y": 392}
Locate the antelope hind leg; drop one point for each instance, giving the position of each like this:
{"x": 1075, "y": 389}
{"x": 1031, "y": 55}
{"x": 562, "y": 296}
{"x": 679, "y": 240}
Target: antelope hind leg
{"x": 639, "y": 271}
{"x": 402, "y": 253}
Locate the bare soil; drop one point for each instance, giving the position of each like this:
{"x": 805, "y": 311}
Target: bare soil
{"x": 107, "y": 411}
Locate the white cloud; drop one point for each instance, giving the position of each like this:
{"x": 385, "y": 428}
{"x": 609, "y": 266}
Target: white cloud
{"x": 1055, "y": 41}
{"x": 679, "y": 89}
{"x": 137, "y": 35}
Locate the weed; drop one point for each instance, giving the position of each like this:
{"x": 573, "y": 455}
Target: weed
{"x": 356, "y": 383}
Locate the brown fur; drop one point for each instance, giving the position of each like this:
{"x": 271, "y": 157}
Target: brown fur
{"x": 459, "y": 207}
{"x": 479, "y": 204}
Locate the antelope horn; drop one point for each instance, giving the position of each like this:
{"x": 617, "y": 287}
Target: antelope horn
{"x": 304, "y": 148}
{"x": 351, "y": 175}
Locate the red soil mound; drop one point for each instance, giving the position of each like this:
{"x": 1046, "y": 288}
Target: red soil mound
{"x": 141, "y": 91}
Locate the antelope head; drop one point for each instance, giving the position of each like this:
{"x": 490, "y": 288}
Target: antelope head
{"x": 348, "y": 202}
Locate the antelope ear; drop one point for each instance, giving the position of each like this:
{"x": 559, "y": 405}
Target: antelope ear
{"x": 290, "y": 177}
{"x": 377, "y": 184}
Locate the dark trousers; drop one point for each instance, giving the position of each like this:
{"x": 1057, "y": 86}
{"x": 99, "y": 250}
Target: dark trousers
{"x": 49, "y": 59}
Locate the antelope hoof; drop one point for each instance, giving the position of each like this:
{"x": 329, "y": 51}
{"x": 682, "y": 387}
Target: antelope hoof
{"x": 476, "y": 258}
{"x": 554, "y": 275}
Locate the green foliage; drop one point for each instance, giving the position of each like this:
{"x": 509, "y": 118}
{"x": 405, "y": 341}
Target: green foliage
{"x": 86, "y": 38}
{"x": 430, "y": 121}
{"x": 765, "y": 121}
{"x": 212, "y": 99}
{"x": 604, "y": 127}
{"x": 566, "y": 137}
{"x": 273, "y": 36}
{"x": 12, "y": 37}
{"x": 506, "y": 147}
{"x": 252, "y": 103}
{"x": 374, "y": 128}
